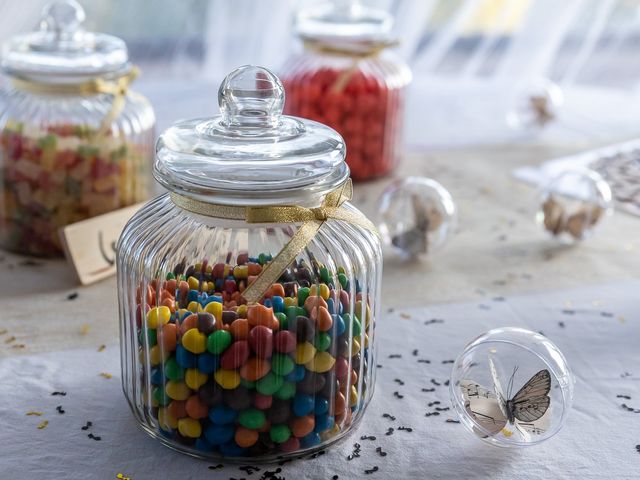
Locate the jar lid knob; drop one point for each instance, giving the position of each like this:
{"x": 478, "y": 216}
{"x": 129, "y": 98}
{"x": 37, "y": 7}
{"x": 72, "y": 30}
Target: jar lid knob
{"x": 251, "y": 97}
{"x": 64, "y": 18}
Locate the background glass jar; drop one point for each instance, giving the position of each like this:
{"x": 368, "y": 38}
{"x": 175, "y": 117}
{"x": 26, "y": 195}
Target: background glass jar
{"x": 75, "y": 142}
{"x": 206, "y": 371}
{"x": 349, "y": 78}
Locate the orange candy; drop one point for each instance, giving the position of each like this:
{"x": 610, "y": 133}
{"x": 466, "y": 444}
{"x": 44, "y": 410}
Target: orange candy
{"x": 260, "y": 315}
{"x": 245, "y": 437}
{"x": 177, "y": 409}
{"x": 314, "y": 301}
{"x": 254, "y": 268}
{"x": 196, "y": 408}
{"x": 255, "y": 369}
{"x": 341, "y": 404}
{"x": 167, "y": 337}
{"x": 239, "y": 328}
{"x": 169, "y": 303}
{"x": 303, "y": 426}
{"x": 188, "y": 323}
{"x": 277, "y": 290}
{"x": 322, "y": 317}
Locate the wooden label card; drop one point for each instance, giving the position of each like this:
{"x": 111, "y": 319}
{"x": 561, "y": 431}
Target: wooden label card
{"x": 90, "y": 245}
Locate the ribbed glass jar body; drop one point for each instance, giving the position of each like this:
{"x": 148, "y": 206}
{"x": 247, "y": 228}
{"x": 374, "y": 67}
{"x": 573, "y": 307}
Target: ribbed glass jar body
{"x": 207, "y": 374}
{"x": 362, "y": 98}
{"x": 57, "y": 169}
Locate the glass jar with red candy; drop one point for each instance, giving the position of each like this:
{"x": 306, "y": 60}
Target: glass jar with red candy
{"x": 75, "y": 142}
{"x": 348, "y": 77}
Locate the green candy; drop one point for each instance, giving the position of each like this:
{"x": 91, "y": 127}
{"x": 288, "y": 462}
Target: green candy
{"x": 152, "y": 337}
{"x": 252, "y": 418}
{"x": 269, "y": 384}
{"x": 172, "y": 370}
{"x": 282, "y": 364}
{"x": 263, "y": 258}
{"x": 286, "y": 391}
{"x": 324, "y": 275}
{"x": 170, "y": 276}
{"x": 160, "y": 396}
{"x": 344, "y": 281}
{"x": 291, "y": 314}
{"x": 279, "y": 433}
{"x": 303, "y": 293}
{"x": 357, "y": 327}
{"x": 301, "y": 312}
{"x": 282, "y": 318}
{"x": 322, "y": 341}
{"x": 247, "y": 383}
{"x": 218, "y": 341}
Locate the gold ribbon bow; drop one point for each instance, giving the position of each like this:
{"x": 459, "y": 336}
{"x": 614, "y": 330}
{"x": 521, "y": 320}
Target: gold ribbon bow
{"x": 118, "y": 87}
{"x": 311, "y": 218}
{"x": 371, "y": 50}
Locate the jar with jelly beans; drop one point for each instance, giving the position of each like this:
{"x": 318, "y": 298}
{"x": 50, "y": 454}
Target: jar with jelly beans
{"x": 75, "y": 142}
{"x": 249, "y": 293}
{"x": 349, "y": 78}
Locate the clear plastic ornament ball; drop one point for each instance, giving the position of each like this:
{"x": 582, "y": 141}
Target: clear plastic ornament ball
{"x": 536, "y": 106}
{"x": 417, "y": 216}
{"x": 573, "y": 204}
{"x": 512, "y": 387}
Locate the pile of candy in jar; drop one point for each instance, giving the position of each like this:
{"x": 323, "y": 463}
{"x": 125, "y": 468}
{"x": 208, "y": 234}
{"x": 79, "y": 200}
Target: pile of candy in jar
{"x": 279, "y": 376}
{"x": 61, "y": 175}
{"x": 365, "y": 110}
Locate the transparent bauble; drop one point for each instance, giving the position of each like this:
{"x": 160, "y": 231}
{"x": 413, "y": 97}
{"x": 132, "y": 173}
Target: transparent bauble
{"x": 416, "y": 216}
{"x": 536, "y": 106}
{"x": 205, "y": 370}
{"x": 512, "y": 387}
{"x": 573, "y": 204}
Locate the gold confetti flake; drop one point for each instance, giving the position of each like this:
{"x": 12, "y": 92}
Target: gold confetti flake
{"x": 101, "y": 348}
{"x": 43, "y": 424}
{"x": 506, "y": 433}
{"x": 106, "y": 375}
{"x": 10, "y": 339}
{"x": 33, "y": 413}
{"x": 84, "y": 329}
{"x": 122, "y": 476}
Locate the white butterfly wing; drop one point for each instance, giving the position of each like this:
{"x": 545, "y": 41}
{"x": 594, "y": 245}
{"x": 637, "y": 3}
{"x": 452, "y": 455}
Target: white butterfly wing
{"x": 537, "y": 427}
{"x": 498, "y": 387}
{"x": 483, "y": 407}
{"x": 532, "y": 400}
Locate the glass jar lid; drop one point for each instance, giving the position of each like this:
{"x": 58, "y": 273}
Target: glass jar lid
{"x": 250, "y": 152}
{"x": 344, "y": 21}
{"x": 62, "y": 51}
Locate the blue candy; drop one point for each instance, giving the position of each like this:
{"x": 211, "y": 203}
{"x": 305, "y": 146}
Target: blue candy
{"x": 212, "y": 298}
{"x": 219, "y": 284}
{"x": 219, "y": 434}
{"x": 310, "y": 440}
{"x": 157, "y": 376}
{"x": 297, "y": 374}
{"x": 232, "y": 449}
{"x": 267, "y": 302}
{"x": 321, "y": 406}
{"x": 339, "y": 325}
{"x": 277, "y": 303}
{"x": 192, "y": 296}
{"x": 222, "y": 415}
{"x": 203, "y": 445}
{"x": 331, "y": 306}
{"x": 208, "y": 363}
{"x": 323, "y": 422}
{"x": 303, "y": 405}
{"x": 185, "y": 358}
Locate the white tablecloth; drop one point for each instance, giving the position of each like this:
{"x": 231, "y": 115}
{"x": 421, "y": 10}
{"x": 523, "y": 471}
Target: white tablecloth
{"x": 598, "y": 329}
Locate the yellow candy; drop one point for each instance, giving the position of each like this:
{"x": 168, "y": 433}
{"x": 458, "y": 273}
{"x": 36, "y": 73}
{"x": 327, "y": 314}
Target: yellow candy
{"x": 227, "y": 379}
{"x": 158, "y": 316}
{"x": 182, "y": 312}
{"x": 332, "y": 432}
{"x": 166, "y": 420}
{"x": 324, "y": 291}
{"x": 194, "y": 283}
{"x": 189, "y": 427}
{"x": 290, "y": 302}
{"x": 194, "y": 307}
{"x": 241, "y": 271}
{"x": 242, "y": 311}
{"x": 197, "y": 267}
{"x": 366, "y": 340}
{"x": 359, "y": 306}
{"x": 322, "y": 362}
{"x": 215, "y": 309}
{"x": 177, "y": 390}
{"x": 157, "y": 355}
{"x": 353, "y": 396}
{"x": 194, "y": 341}
{"x": 194, "y": 378}
{"x": 209, "y": 269}
{"x": 227, "y": 271}
{"x": 304, "y": 353}
{"x": 355, "y": 347}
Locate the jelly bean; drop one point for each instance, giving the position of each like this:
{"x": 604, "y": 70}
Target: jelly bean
{"x": 342, "y": 367}
{"x": 249, "y": 384}
{"x": 177, "y": 409}
{"x": 194, "y": 378}
{"x": 322, "y": 317}
{"x": 228, "y": 317}
{"x": 232, "y": 449}
{"x": 227, "y": 379}
{"x": 297, "y": 374}
{"x": 172, "y": 370}
{"x": 202, "y": 445}
{"x": 152, "y": 337}
{"x": 157, "y": 355}
{"x": 355, "y": 347}
{"x": 185, "y": 358}
{"x": 168, "y": 337}
{"x": 206, "y": 322}
{"x": 194, "y": 283}
{"x": 252, "y": 418}
{"x": 239, "y": 329}
{"x": 323, "y": 422}
{"x": 310, "y": 440}
{"x": 235, "y": 356}
{"x": 218, "y": 341}
{"x": 157, "y": 376}
{"x": 254, "y": 269}
{"x": 189, "y": 427}
{"x": 269, "y": 384}
{"x": 303, "y": 293}
{"x": 282, "y": 364}
{"x": 314, "y": 301}
{"x": 322, "y": 341}
{"x": 189, "y": 322}
{"x": 195, "y": 307}
{"x": 261, "y": 341}
{"x": 353, "y": 396}
{"x": 284, "y": 341}
{"x": 160, "y": 396}
{"x": 194, "y": 341}
{"x": 305, "y": 329}
{"x": 158, "y": 316}
{"x": 302, "y": 405}
{"x": 311, "y": 383}
{"x": 260, "y": 315}
{"x": 196, "y": 408}
{"x": 279, "y": 412}
{"x": 344, "y": 282}
{"x": 222, "y": 415}
{"x": 304, "y": 353}
{"x": 245, "y": 437}
{"x": 208, "y": 363}
{"x": 321, "y": 406}
{"x": 255, "y": 369}
{"x": 291, "y": 445}
{"x": 331, "y": 306}
{"x": 177, "y": 390}
{"x": 303, "y": 426}
{"x": 239, "y": 398}
{"x": 279, "y": 433}
{"x": 166, "y": 420}
{"x": 286, "y": 391}
{"x": 322, "y": 290}
{"x": 241, "y": 271}
{"x": 263, "y": 402}
{"x": 219, "y": 434}
{"x": 277, "y": 302}
{"x": 321, "y": 362}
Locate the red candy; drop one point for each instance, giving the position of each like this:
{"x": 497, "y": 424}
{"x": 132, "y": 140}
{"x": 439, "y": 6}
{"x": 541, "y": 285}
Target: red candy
{"x": 285, "y": 341}
{"x": 261, "y": 341}
{"x": 235, "y": 356}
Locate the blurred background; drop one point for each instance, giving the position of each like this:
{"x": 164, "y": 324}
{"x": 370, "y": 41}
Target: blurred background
{"x": 472, "y": 60}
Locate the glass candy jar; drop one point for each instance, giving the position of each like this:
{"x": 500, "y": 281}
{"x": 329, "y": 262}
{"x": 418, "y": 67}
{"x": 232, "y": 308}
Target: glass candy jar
{"x": 348, "y": 78}
{"x": 75, "y": 142}
{"x": 248, "y": 294}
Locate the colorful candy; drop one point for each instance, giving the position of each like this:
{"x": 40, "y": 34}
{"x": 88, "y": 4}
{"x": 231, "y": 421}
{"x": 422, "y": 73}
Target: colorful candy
{"x": 251, "y": 380}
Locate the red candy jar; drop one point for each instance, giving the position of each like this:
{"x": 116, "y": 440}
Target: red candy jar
{"x": 348, "y": 78}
